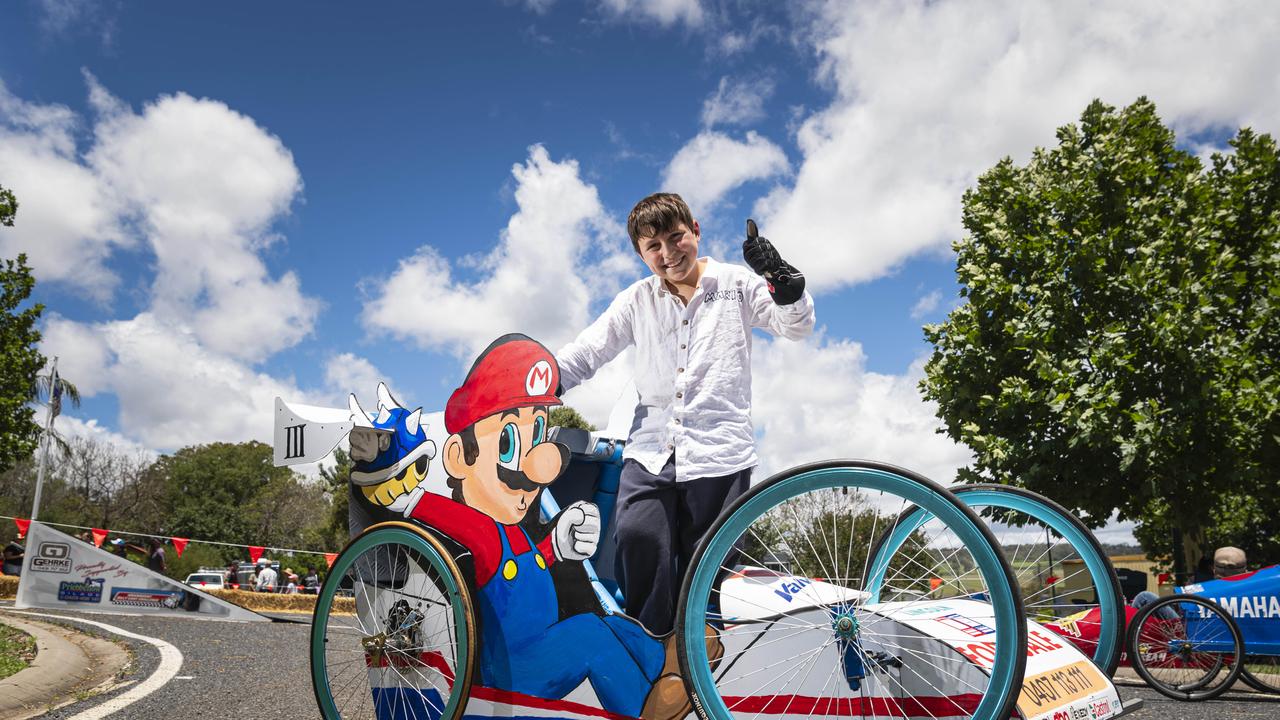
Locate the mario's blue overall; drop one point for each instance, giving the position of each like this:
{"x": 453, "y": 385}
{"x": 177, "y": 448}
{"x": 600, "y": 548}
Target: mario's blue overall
{"x": 524, "y": 646}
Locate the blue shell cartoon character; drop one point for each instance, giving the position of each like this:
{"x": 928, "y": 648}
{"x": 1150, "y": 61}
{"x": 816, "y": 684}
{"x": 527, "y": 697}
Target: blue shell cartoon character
{"x": 391, "y": 455}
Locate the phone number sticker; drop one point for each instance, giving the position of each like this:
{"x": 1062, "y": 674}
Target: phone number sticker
{"x": 1056, "y": 688}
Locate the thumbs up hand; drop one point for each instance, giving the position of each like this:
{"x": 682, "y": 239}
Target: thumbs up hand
{"x": 786, "y": 284}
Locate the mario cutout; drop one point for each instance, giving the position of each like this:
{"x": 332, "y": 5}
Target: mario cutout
{"x": 498, "y": 459}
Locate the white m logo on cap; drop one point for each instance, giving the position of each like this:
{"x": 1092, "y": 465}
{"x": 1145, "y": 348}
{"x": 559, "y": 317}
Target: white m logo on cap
{"x": 538, "y": 381}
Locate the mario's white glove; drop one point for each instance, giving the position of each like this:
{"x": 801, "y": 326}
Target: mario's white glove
{"x": 577, "y": 532}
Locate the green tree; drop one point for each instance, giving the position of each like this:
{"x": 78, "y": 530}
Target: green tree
{"x": 8, "y": 206}
{"x": 565, "y": 416}
{"x": 1118, "y": 347}
{"x": 20, "y": 360}
{"x": 337, "y": 487}
{"x": 233, "y": 493}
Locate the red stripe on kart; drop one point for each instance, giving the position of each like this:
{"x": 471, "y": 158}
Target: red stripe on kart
{"x": 514, "y": 698}
{"x": 889, "y": 707}
{"x": 430, "y": 659}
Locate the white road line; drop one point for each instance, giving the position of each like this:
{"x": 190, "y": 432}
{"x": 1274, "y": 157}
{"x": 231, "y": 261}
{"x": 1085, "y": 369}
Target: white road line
{"x": 170, "y": 663}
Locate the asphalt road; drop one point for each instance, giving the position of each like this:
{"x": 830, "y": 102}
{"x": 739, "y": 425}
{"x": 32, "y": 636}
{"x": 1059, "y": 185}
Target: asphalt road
{"x": 260, "y": 670}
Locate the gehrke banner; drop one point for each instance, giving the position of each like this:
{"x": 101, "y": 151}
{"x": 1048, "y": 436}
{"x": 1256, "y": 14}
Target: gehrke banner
{"x": 63, "y": 573}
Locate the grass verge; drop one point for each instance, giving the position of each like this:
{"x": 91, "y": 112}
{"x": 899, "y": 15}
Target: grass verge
{"x": 17, "y": 650}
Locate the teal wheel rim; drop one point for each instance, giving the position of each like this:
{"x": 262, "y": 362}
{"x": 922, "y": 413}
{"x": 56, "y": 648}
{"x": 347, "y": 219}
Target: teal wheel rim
{"x": 1004, "y": 677}
{"x": 1097, "y": 567}
{"x": 431, "y": 652}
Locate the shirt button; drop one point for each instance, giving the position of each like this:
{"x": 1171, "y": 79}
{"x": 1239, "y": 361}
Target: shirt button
{"x": 670, "y": 446}
{"x": 679, "y": 395}
{"x": 677, "y": 421}
{"x": 679, "y": 370}
{"x": 686, "y": 322}
{"x": 682, "y": 346}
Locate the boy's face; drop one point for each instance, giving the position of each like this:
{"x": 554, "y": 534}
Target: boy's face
{"x": 672, "y": 255}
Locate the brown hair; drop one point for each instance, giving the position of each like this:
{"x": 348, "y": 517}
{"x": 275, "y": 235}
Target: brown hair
{"x": 657, "y": 214}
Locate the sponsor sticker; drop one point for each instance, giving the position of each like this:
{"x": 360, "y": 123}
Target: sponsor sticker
{"x": 1060, "y": 687}
{"x": 968, "y": 626}
{"x": 147, "y": 597}
{"x": 88, "y": 590}
{"x": 789, "y": 588}
{"x": 52, "y": 557}
{"x": 927, "y": 610}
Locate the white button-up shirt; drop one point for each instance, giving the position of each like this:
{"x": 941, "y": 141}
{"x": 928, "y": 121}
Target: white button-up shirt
{"x": 692, "y": 365}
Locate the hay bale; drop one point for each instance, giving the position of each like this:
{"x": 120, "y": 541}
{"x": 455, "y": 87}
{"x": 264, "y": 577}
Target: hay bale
{"x": 8, "y": 587}
{"x": 279, "y": 602}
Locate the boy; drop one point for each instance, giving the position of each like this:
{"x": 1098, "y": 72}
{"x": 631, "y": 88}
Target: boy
{"x": 691, "y": 448}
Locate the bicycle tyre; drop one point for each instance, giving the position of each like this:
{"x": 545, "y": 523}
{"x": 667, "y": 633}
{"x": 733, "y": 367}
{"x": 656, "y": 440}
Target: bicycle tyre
{"x": 1163, "y": 650}
{"x": 1005, "y": 677}
{"x": 1101, "y": 573}
{"x": 440, "y": 583}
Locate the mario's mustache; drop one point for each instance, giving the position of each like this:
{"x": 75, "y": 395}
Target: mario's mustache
{"x": 516, "y": 479}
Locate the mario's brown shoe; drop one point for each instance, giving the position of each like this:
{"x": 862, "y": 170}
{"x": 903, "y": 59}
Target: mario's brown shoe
{"x": 715, "y": 651}
{"x": 667, "y": 699}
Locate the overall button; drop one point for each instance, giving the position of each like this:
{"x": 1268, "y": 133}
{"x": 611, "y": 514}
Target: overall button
{"x": 509, "y": 570}
{"x": 541, "y": 563}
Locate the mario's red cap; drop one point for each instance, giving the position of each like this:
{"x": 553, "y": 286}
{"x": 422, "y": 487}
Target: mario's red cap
{"x": 514, "y": 371}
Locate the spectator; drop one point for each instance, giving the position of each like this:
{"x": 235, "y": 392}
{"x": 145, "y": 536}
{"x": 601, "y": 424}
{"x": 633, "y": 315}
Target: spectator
{"x": 155, "y": 558}
{"x": 1228, "y": 561}
{"x": 233, "y": 578}
{"x": 13, "y": 557}
{"x": 117, "y": 547}
{"x": 266, "y": 580}
{"x": 292, "y": 578}
{"x": 253, "y": 580}
{"x": 311, "y": 581}
{"x": 1204, "y": 569}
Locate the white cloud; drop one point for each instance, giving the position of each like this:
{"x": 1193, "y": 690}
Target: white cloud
{"x": 71, "y": 427}
{"x": 713, "y": 164}
{"x": 68, "y": 223}
{"x": 926, "y": 304}
{"x": 666, "y": 12}
{"x": 200, "y": 186}
{"x": 171, "y": 390}
{"x": 206, "y": 183}
{"x": 559, "y": 251}
{"x": 928, "y": 95}
{"x": 346, "y": 373}
{"x": 815, "y": 400}
{"x": 739, "y": 102}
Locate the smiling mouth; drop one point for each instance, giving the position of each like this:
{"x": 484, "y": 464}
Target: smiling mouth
{"x": 672, "y": 266}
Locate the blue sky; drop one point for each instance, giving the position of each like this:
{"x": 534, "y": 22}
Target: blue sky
{"x": 228, "y": 201}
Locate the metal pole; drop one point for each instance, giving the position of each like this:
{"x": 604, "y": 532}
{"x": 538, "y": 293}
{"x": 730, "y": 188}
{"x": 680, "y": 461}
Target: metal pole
{"x": 44, "y": 439}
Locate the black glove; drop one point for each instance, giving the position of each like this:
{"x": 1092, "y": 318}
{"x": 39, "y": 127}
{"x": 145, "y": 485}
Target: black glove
{"x": 786, "y": 284}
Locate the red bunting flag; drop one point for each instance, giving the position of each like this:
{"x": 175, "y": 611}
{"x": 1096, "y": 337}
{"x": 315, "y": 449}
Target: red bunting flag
{"x": 329, "y": 558}
{"x": 22, "y": 527}
{"x": 180, "y": 544}
{"x": 98, "y": 536}
{"x": 255, "y": 552}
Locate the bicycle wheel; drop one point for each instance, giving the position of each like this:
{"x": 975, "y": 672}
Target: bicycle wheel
{"x": 1261, "y": 672}
{"x": 1062, "y": 571}
{"x": 1185, "y": 647}
{"x": 393, "y": 634}
{"x": 812, "y": 636}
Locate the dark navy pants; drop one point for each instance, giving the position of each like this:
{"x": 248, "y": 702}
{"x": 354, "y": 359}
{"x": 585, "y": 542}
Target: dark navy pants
{"x": 658, "y": 523}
